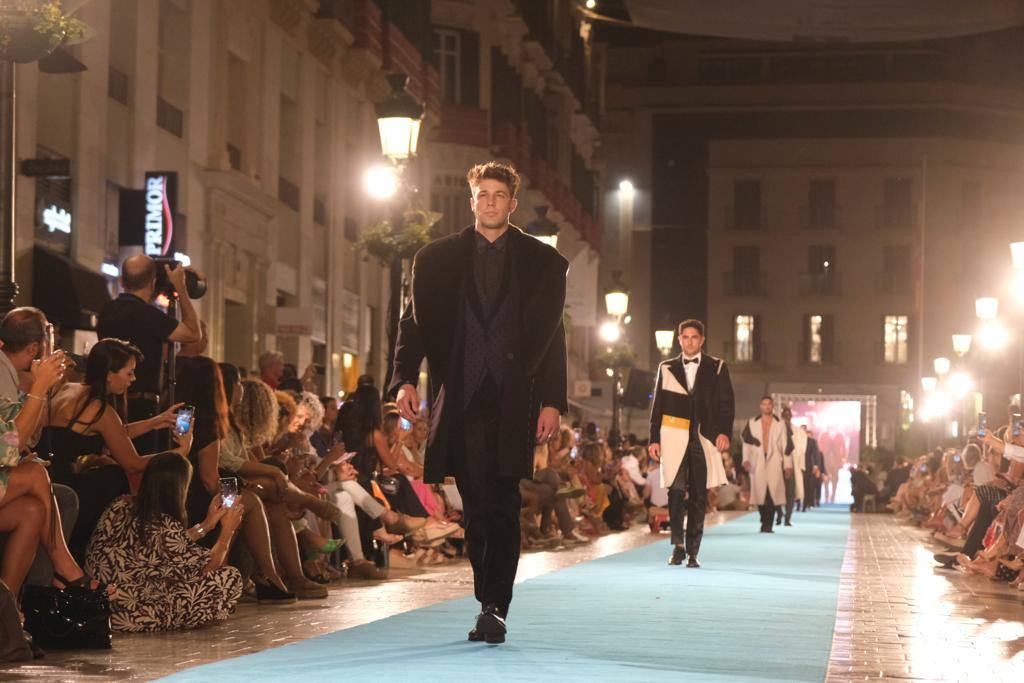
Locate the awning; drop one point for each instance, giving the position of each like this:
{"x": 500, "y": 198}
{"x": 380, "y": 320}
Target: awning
{"x": 66, "y": 292}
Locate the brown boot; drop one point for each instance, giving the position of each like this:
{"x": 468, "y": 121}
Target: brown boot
{"x": 364, "y": 569}
{"x": 307, "y": 590}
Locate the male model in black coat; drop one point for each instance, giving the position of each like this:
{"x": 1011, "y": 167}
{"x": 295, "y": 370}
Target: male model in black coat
{"x": 486, "y": 313}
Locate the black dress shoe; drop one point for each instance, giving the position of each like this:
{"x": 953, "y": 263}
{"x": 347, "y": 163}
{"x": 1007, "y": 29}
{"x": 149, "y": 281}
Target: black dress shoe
{"x": 789, "y": 524}
{"x": 490, "y": 626}
{"x": 678, "y": 555}
{"x": 945, "y": 559}
{"x": 692, "y": 563}
{"x": 767, "y": 531}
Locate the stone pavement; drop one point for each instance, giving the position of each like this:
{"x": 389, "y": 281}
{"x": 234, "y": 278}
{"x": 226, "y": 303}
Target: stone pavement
{"x": 901, "y": 617}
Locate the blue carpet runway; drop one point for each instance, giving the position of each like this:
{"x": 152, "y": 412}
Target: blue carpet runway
{"x": 762, "y": 608}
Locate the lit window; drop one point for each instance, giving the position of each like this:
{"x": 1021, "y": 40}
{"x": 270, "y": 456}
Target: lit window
{"x": 895, "y": 339}
{"x": 814, "y": 348}
{"x": 744, "y": 338}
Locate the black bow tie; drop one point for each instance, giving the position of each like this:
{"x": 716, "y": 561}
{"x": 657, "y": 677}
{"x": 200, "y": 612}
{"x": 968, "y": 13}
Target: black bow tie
{"x": 690, "y": 360}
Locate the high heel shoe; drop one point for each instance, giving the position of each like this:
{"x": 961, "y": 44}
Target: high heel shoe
{"x": 268, "y": 593}
{"x": 406, "y": 524}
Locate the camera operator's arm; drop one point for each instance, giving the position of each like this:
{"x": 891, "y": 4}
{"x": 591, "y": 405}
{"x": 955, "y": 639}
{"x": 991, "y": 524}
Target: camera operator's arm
{"x": 188, "y": 330}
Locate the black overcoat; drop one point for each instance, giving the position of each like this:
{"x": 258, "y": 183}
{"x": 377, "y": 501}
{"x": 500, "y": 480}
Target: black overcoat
{"x": 432, "y": 327}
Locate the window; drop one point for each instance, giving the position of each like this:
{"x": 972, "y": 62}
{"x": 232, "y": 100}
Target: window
{"x": 743, "y": 338}
{"x": 447, "y": 48}
{"x": 895, "y": 339}
{"x": 117, "y": 85}
{"x": 818, "y": 339}
{"x": 821, "y": 204}
{"x": 821, "y": 277}
{"x": 747, "y": 204}
{"x": 745, "y": 277}
{"x": 897, "y": 211}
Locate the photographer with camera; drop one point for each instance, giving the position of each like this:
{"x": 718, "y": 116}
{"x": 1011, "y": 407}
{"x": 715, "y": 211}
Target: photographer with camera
{"x": 133, "y": 318}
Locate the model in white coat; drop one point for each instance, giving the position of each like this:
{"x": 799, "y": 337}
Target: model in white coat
{"x": 765, "y": 458}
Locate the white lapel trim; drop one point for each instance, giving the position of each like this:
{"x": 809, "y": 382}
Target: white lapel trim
{"x": 670, "y": 383}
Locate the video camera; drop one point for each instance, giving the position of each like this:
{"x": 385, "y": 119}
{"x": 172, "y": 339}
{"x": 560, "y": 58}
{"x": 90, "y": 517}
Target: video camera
{"x": 195, "y": 286}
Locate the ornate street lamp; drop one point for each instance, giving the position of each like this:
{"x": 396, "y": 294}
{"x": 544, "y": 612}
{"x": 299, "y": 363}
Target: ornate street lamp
{"x": 929, "y": 383}
{"x": 961, "y": 344}
{"x": 616, "y": 297}
{"x": 986, "y": 307}
{"x": 399, "y": 116}
{"x": 664, "y": 339}
{"x": 543, "y": 228}
{"x": 941, "y": 365}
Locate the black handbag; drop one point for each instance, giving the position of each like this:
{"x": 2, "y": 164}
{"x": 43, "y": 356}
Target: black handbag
{"x": 75, "y": 617}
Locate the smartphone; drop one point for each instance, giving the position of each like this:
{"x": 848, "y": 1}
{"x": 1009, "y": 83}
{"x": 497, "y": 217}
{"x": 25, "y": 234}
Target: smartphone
{"x": 982, "y": 424}
{"x": 1015, "y": 425}
{"x": 577, "y": 435}
{"x": 49, "y": 340}
{"x": 956, "y": 458}
{"x": 320, "y": 369}
{"x": 228, "y": 491}
{"x": 183, "y": 423}
{"x": 574, "y": 452}
{"x": 406, "y": 425}
{"x": 924, "y": 468}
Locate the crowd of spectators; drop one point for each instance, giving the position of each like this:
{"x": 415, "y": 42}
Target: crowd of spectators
{"x": 970, "y": 499}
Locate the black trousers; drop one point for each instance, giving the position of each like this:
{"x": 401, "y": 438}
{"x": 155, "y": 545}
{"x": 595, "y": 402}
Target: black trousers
{"x": 688, "y": 498}
{"x": 767, "y": 511}
{"x": 490, "y": 504}
{"x": 810, "y": 482}
{"x": 790, "y": 498}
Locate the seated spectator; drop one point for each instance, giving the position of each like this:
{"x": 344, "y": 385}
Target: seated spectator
{"x": 85, "y": 436}
{"x": 165, "y": 579}
{"x": 200, "y": 385}
{"x": 27, "y": 513}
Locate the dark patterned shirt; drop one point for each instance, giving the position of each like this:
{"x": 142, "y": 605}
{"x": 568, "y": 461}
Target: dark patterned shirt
{"x": 489, "y": 267}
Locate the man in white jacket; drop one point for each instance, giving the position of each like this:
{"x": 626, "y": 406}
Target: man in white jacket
{"x": 765, "y": 458}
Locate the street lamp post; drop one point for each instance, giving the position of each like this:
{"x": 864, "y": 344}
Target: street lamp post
{"x": 1017, "y": 256}
{"x": 616, "y": 301}
{"x": 399, "y": 118}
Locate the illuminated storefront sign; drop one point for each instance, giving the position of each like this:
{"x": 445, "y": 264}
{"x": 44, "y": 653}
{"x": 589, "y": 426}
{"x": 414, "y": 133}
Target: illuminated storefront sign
{"x": 161, "y": 196}
{"x": 57, "y": 219}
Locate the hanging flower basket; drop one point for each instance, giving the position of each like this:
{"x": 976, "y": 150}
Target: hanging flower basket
{"x": 388, "y": 243}
{"x": 32, "y": 29}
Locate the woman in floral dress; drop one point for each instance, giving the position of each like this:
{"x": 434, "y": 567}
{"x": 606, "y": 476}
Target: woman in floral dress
{"x": 165, "y": 579}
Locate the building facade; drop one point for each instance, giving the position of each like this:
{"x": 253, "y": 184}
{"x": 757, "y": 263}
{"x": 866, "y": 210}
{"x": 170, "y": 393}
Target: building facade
{"x": 832, "y": 211}
{"x": 259, "y": 118}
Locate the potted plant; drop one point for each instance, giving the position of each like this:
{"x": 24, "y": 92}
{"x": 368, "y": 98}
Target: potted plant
{"x": 32, "y": 29}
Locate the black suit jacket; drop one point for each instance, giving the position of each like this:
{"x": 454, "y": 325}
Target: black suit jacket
{"x": 714, "y": 406}
{"x": 433, "y": 327}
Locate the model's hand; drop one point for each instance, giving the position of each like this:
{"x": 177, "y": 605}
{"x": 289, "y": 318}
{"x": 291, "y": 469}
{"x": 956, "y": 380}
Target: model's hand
{"x": 788, "y": 471}
{"x": 408, "y": 402}
{"x": 722, "y": 442}
{"x": 547, "y": 423}
{"x": 746, "y": 466}
{"x": 654, "y": 450}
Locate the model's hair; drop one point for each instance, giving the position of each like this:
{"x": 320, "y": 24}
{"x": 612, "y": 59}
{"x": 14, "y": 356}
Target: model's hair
{"x": 137, "y": 273}
{"x": 200, "y": 384}
{"x": 767, "y": 397}
{"x": 256, "y": 414}
{"x": 21, "y": 327}
{"x": 694, "y": 323}
{"x": 162, "y": 491}
{"x": 106, "y": 356}
{"x": 495, "y": 170}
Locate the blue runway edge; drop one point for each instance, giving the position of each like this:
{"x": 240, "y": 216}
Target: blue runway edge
{"x": 762, "y": 608}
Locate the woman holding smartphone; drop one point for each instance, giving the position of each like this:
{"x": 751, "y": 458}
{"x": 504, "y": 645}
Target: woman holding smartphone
{"x": 200, "y": 384}
{"x": 88, "y": 419}
{"x": 165, "y": 579}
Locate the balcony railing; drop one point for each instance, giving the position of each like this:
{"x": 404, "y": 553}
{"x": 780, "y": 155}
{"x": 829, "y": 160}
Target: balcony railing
{"x": 894, "y": 282}
{"x": 823, "y": 284}
{"x": 463, "y": 125}
{"x": 745, "y": 217}
{"x": 820, "y": 217}
{"x": 744, "y": 283}
{"x": 169, "y": 117}
{"x": 896, "y": 217}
